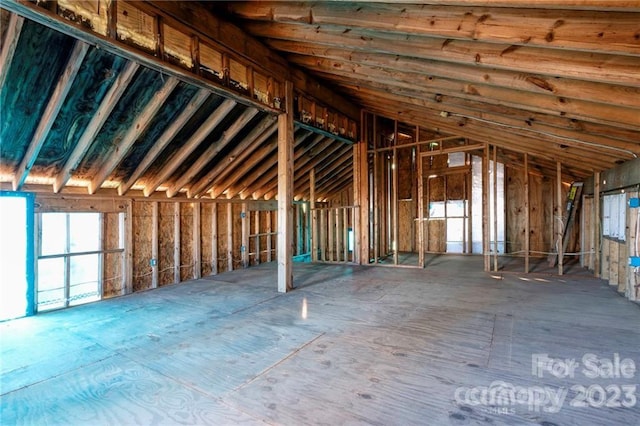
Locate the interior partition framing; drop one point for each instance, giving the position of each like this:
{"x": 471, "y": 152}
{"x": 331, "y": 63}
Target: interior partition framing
{"x": 149, "y": 243}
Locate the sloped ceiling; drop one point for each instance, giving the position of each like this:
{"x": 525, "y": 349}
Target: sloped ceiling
{"x": 557, "y": 79}
{"x": 78, "y": 118}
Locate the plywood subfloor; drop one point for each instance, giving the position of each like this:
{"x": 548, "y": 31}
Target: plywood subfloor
{"x": 351, "y": 345}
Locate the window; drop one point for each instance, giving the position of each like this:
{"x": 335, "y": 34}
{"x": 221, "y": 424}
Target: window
{"x": 69, "y": 259}
{"x": 614, "y": 217}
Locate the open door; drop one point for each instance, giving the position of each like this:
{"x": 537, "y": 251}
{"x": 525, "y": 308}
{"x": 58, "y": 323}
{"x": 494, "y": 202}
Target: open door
{"x": 16, "y": 255}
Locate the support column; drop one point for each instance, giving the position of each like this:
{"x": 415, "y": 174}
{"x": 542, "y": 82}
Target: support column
{"x": 314, "y": 215}
{"x": 197, "y": 245}
{"x": 596, "y": 225}
{"x": 560, "y": 221}
{"x": 154, "y": 244}
{"x": 495, "y": 208}
{"x": 527, "y": 220}
{"x": 361, "y": 198}
{"x": 176, "y": 243}
{"x": 285, "y": 193}
{"x": 486, "y": 234}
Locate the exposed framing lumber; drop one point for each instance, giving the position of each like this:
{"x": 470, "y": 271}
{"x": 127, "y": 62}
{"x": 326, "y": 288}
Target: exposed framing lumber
{"x": 9, "y": 44}
{"x": 190, "y": 145}
{"x": 429, "y": 87}
{"x": 138, "y": 126}
{"x": 613, "y": 5}
{"x": 212, "y": 151}
{"x": 196, "y": 242}
{"x": 269, "y": 236}
{"x": 361, "y": 199}
{"x": 51, "y": 111}
{"x": 486, "y": 212}
{"x": 247, "y": 160}
{"x": 596, "y": 230}
{"x": 214, "y": 239}
{"x": 128, "y": 249}
{"x": 455, "y": 22}
{"x": 155, "y": 228}
{"x": 267, "y": 182}
{"x": 246, "y": 223}
{"x": 554, "y": 128}
{"x": 559, "y": 219}
{"x": 167, "y": 136}
{"x": 109, "y": 102}
{"x": 495, "y": 208}
{"x": 256, "y": 231}
{"x": 314, "y": 215}
{"x": 579, "y": 65}
{"x": 177, "y": 263}
{"x": 259, "y": 133}
{"x": 285, "y": 193}
{"x": 527, "y": 214}
{"x": 229, "y": 237}
{"x": 258, "y": 176}
{"x": 432, "y": 70}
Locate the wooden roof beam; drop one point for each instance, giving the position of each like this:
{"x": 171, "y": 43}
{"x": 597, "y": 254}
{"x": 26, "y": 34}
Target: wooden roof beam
{"x": 212, "y": 151}
{"x": 593, "y": 31}
{"x": 51, "y": 111}
{"x": 9, "y": 44}
{"x": 258, "y": 134}
{"x": 581, "y": 158}
{"x": 239, "y": 166}
{"x": 598, "y": 113}
{"x": 167, "y": 136}
{"x": 324, "y": 153}
{"x": 322, "y": 168}
{"x": 501, "y": 137}
{"x": 109, "y": 102}
{"x": 569, "y": 88}
{"x": 597, "y": 67}
{"x": 268, "y": 171}
{"x": 612, "y": 5}
{"x": 572, "y": 133}
{"x": 190, "y": 145}
{"x": 137, "y": 127}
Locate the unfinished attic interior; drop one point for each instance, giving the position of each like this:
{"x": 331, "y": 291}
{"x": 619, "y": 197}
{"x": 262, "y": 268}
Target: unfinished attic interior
{"x": 319, "y": 212}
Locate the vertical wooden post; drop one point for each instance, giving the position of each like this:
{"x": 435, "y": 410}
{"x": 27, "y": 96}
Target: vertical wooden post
{"x": 495, "y": 208}
{"x": 394, "y": 197}
{"x": 339, "y": 234}
{"x": 197, "y": 247}
{"x": 345, "y": 235}
{"x": 285, "y": 193}
{"x": 314, "y": 215}
{"x": 176, "y": 242}
{"x": 486, "y": 212}
{"x": 128, "y": 275}
{"x": 256, "y": 230}
{"x": 214, "y": 239}
{"x": 595, "y": 240}
{"x": 154, "y": 244}
{"x": 469, "y": 217}
{"x": 560, "y": 219}
{"x": 421, "y": 239}
{"x": 361, "y": 196}
{"x": 323, "y": 235}
{"x": 229, "y": 237}
{"x": 527, "y": 214}
{"x": 269, "y": 230}
{"x": 244, "y": 250}
{"x": 330, "y": 231}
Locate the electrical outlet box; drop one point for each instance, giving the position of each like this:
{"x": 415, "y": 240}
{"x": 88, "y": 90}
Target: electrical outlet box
{"x": 634, "y": 203}
{"x": 634, "y": 261}
{"x": 153, "y": 262}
